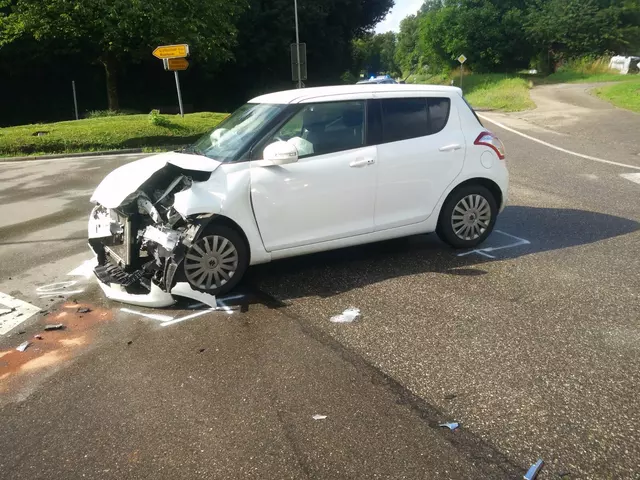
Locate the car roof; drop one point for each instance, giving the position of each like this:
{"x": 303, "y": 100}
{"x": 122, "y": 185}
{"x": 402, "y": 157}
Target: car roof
{"x": 350, "y": 91}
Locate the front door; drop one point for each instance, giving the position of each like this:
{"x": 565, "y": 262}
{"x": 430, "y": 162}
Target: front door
{"x": 329, "y": 193}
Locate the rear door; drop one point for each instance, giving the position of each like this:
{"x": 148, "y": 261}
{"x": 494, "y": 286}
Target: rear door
{"x": 421, "y": 150}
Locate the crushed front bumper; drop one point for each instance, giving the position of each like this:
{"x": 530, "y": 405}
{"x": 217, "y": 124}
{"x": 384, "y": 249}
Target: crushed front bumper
{"x": 125, "y": 275}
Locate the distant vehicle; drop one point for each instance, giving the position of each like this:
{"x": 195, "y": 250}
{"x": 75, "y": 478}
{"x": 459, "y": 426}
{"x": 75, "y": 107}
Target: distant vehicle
{"x": 292, "y": 173}
{"x": 382, "y": 79}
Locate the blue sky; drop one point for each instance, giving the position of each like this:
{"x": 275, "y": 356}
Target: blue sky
{"x": 401, "y": 9}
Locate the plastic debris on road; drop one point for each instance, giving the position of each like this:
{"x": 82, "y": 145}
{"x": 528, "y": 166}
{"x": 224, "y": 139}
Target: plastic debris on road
{"x": 38, "y": 336}
{"x": 348, "y": 316}
{"x": 57, "y": 326}
{"x": 451, "y": 426}
{"x": 533, "y": 470}
{"x": 23, "y": 346}
{"x": 319, "y": 417}
{"x": 83, "y": 310}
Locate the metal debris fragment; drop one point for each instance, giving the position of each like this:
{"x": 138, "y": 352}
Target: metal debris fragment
{"x": 57, "y": 326}
{"x": 348, "y": 316}
{"x": 451, "y": 426}
{"x": 23, "y": 346}
{"x": 319, "y": 417}
{"x": 38, "y": 336}
{"x": 533, "y": 470}
{"x": 83, "y": 310}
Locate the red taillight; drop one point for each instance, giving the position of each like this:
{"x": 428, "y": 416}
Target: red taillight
{"x": 488, "y": 139}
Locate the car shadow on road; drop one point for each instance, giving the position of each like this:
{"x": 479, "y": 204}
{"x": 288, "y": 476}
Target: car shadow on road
{"x": 520, "y": 231}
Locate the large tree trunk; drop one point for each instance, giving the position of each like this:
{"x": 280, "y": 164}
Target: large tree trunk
{"x": 111, "y": 70}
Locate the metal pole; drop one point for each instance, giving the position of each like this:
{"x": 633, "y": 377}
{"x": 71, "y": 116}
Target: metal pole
{"x": 461, "y": 65}
{"x": 295, "y": 9}
{"x": 75, "y": 100}
{"x": 179, "y": 94}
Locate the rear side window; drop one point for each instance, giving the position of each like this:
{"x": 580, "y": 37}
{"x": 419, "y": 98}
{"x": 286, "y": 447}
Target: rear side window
{"x": 405, "y": 118}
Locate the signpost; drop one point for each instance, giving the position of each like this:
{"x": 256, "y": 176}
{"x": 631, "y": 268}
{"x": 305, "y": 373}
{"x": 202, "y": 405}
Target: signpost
{"x": 75, "y": 99}
{"x": 299, "y": 67}
{"x": 461, "y": 59}
{"x": 171, "y": 51}
{"x": 173, "y": 59}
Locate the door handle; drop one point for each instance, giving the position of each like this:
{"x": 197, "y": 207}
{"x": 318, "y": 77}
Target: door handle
{"x": 450, "y": 148}
{"x": 362, "y": 162}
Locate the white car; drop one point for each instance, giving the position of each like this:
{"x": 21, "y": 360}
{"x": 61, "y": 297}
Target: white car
{"x": 292, "y": 173}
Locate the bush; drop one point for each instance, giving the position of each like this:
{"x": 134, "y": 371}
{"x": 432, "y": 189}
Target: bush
{"x": 587, "y": 65}
{"x": 108, "y": 113}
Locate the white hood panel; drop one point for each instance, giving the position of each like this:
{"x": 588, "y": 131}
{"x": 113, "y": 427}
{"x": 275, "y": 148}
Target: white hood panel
{"x": 125, "y": 180}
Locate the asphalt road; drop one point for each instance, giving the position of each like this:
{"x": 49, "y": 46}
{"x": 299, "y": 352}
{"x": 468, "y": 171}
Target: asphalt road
{"x": 530, "y": 342}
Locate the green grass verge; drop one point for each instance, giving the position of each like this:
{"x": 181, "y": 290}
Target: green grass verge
{"x": 497, "y": 91}
{"x": 105, "y": 133}
{"x": 623, "y": 95}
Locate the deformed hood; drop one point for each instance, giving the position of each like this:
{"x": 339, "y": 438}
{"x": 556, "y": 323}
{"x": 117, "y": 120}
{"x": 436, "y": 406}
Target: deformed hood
{"x": 125, "y": 180}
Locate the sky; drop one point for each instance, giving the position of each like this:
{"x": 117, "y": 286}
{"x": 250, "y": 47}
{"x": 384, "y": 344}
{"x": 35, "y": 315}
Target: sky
{"x": 401, "y": 9}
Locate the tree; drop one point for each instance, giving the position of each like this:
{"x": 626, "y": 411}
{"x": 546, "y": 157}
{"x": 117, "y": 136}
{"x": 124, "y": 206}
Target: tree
{"x": 408, "y": 54}
{"x": 115, "y": 31}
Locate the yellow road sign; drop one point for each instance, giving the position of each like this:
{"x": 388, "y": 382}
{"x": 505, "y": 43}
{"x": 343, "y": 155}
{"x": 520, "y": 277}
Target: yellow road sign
{"x": 176, "y": 64}
{"x": 462, "y": 59}
{"x": 171, "y": 51}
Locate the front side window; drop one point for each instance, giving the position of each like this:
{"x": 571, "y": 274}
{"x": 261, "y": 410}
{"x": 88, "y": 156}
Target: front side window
{"x": 321, "y": 128}
{"x": 236, "y": 132}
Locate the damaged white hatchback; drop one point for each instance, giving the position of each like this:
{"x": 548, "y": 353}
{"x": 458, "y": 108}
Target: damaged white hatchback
{"x": 292, "y": 173}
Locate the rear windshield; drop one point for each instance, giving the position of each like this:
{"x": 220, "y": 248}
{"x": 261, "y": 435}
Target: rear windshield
{"x": 473, "y": 111}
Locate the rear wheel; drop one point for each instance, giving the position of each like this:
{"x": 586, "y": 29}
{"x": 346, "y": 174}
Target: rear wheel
{"x": 216, "y": 262}
{"x": 467, "y": 217}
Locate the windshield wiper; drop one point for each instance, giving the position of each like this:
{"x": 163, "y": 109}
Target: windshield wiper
{"x": 192, "y": 150}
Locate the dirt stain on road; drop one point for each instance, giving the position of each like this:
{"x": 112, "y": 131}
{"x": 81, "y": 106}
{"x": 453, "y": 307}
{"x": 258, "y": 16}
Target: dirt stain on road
{"x": 49, "y": 350}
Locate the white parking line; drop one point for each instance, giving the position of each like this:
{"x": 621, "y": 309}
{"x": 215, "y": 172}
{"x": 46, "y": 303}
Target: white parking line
{"x": 484, "y": 251}
{"x": 152, "y": 316}
{"x": 555, "y": 147}
{"x": 13, "y": 312}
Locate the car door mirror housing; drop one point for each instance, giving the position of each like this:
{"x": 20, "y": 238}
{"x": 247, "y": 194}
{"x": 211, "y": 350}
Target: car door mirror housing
{"x": 280, "y": 153}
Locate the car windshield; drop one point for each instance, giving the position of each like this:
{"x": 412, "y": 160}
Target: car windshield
{"x": 234, "y": 133}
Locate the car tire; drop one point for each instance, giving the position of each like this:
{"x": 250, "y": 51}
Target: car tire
{"x": 467, "y": 217}
{"x": 216, "y": 261}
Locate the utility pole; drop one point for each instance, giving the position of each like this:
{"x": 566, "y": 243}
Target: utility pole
{"x": 295, "y": 9}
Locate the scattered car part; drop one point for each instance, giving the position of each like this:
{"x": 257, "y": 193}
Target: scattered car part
{"x": 451, "y": 426}
{"x": 533, "y": 471}
{"x": 57, "y": 326}
{"x": 348, "y": 316}
{"x": 319, "y": 417}
{"x": 23, "y": 346}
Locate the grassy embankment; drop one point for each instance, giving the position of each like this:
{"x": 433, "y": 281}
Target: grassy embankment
{"x": 510, "y": 92}
{"x": 106, "y": 133}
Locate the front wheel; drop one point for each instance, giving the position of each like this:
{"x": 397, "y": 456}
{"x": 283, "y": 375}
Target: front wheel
{"x": 216, "y": 262}
{"x": 467, "y": 217}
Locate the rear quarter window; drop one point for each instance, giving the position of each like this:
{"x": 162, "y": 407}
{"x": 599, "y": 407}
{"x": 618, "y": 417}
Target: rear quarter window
{"x": 439, "y": 109}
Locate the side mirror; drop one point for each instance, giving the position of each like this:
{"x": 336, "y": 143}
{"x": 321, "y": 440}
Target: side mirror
{"x": 280, "y": 153}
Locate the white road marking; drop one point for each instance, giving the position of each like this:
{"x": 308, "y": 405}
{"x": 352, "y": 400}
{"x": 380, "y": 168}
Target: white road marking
{"x": 85, "y": 269}
{"x": 634, "y": 177}
{"x": 188, "y": 317}
{"x": 555, "y": 147}
{"x": 14, "y": 312}
{"x": 152, "y": 316}
{"x": 57, "y": 289}
{"x": 483, "y": 251}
